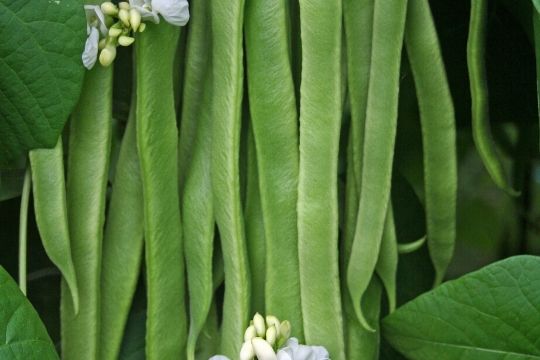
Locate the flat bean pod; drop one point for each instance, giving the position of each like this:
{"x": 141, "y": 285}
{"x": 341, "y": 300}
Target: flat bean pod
{"x": 87, "y": 175}
{"x": 122, "y": 244}
{"x": 320, "y": 123}
{"x": 483, "y": 139}
{"x": 197, "y": 66}
{"x": 197, "y": 205}
{"x": 379, "y": 141}
{"x": 359, "y": 342}
{"x": 255, "y": 234}
{"x": 273, "y": 111}
{"x": 358, "y": 22}
{"x": 157, "y": 143}
{"x": 227, "y": 56}
{"x": 438, "y": 133}
{"x": 50, "y": 207}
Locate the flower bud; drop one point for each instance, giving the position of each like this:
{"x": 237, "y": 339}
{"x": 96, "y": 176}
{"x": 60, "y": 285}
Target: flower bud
{"x": 107, "y": 55}
{"x": 285, "y": 329}
{"x": 123, "y": 15}
{"x": 102, "y": 43}
{"x": 124, "y": 5}
{"x": 271, "y": 335}
{"x": 250, "y": 333}
{"x": 272, "y": 320}
{"x": 108, "y": 8}
{"x": 142, "y": 27}
{"x": 247, "y": 352}
{"x": 134, "y": 19}
{"x": 284, "y": 333}
{"x": 125, "y": 40}
{"x": 114, "y": 32}
{"x": 258, "y": 322}
{"x": 263, "y": 350}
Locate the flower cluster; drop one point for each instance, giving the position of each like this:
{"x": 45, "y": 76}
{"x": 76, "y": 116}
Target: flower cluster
{"x": 110, "y": 25}
{"x": 264, "y": 337}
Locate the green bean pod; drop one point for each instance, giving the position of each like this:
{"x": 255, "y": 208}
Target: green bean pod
{"x": 359, "y": 342}
{"x": 387, "y": 263}
{"x": 197, "y": 66}
{"x": 157, "y": 143}
{"x": 379, "y": 141}
{"x": 438, "y": 133}
{"x": 536, "y": 27}
{"x": 122, "y": 244}
{"x": 23, "y": 231}
{"x": 196, "y": 199}
{"x": 320, "y": 122}
{"x": 227, "y": 57}
{"x": 50, "y": 207}
{"x": 255, "y": 231}
{"x": 273, "y": 111}
{"x": 358, "y": 22}
{"x": 87, "y": 175}
{"x": 408, "y": 248}
{"x": 483, "y": 139}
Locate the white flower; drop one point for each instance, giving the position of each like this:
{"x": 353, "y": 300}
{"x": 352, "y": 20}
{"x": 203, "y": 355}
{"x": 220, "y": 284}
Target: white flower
{"x": 294, "y": 351}
{"x": 175, "y": 12}
{"x": 291, "y": 351}
{"x": 95, "y": 24}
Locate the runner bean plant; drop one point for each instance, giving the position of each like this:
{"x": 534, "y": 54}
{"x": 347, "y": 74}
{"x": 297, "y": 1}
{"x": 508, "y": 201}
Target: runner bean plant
{"x": 249, "y": 179}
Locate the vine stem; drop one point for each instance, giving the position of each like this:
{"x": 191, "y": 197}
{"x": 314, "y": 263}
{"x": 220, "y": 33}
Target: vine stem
{"x": 23, "y": 225}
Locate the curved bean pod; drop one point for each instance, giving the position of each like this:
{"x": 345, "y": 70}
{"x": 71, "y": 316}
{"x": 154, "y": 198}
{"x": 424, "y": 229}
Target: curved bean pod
{"x": 227, "y": 20}
{"x": 88, "y": 162}
{"x": 438, "y": 134}
{"x": 379, "y": 140}
{"x": 122, "y": 244}
{"x": 50, "y": 207}
{"x": 387, "y": 263}
{"x": 157, "y": 143}
{"x": 483, "y": 139}
{"x": 197, "y": 206}
{"x": 320, "y": 122}
{"x": 273, "y": 111}
{"x": 359, "y": 342}
{"x": 412, "y": 246}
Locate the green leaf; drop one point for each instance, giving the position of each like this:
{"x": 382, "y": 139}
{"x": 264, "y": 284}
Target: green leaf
{"x": 41, "y": 72}
{"x": 490, "y": 314}
{"x": 22, "y": 334}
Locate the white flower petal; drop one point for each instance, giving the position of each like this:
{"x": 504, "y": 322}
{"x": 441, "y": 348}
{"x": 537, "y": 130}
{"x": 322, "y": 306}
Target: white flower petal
{"x": 146, "y": 13}
{"x": 175, "y": 12}
{"x": 294, "y": 351}
{"x": 95, "y": 18}
{"x": 219, "y": 357}
{"x": 90, "y": 52}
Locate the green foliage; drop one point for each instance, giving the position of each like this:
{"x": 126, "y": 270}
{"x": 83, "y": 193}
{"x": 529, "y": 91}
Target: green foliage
{"x": 40, "y": 72}
{"x": 492, "y": 313}
{"x": 24, "y": 335}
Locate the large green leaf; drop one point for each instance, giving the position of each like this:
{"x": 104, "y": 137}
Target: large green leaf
{"x": 493, "y": 313}
{"x": 22, "y": 334}
{"x": 40, "y": 71}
